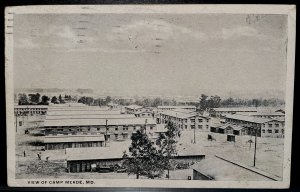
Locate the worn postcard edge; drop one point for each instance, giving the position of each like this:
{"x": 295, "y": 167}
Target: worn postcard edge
{"x": 289, "y": 10}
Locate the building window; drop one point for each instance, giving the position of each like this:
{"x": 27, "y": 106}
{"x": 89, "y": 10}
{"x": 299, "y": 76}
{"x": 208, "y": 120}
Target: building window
{"x": 98, "y": 129}
{"x": 276, "y": 131}
{"x": 270, "y": 125}
{"x": 263, "y": 131}
{"x": 206, "y": 126}
{"x": 200, "y": 120}
{"x": 263, "y": 125}
{"x": 116, "y": 136}
{"x": 207, "y": 120}
{"x": 134, "y": 128}
{"x": 200, "y": 126}
{"x": 276, "y": 125}
{"x": 193, "y": 120}
{"x": 269, "y": 131}
{"x": 185, "y": 126}
{"x": 185, "y": 120}
{"x": 116, "y": 128}
{"x": 282, "y": 131}
{"x": 193, "y": 126}
{"x": 151, "y": 128}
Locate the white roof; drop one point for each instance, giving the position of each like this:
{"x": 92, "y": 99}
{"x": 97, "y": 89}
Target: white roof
{"x": 97, "y": 153}
{"x": 251, "y": 119}
{"x": 77, "y": 108}
{"x": 95, "y": 122}
{"x": 161, "y": 128}
{"x": 90, "y": 116}
{"x": 94, "y": 153}
{"x": 234, "y": 127}
{"x": 83, "y": 112}
{"x": 30, "y": 106}
{"x": 181, "y": 115}
{"x": 221, "y": 170}
{"x": 236, "y": 109}
{"x": 73, "y": 138}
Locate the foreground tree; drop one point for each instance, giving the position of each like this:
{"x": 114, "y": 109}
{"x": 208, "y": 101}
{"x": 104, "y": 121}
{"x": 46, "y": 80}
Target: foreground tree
{"x": 167, "y": 145}
{"x": 143, "y": 158}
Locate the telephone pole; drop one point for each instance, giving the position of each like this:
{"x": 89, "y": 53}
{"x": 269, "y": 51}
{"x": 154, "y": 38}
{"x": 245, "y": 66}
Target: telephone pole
{"x": 255, "y": 147}
{"x": 105, "y": 137}
{"x": 145, "y": 126}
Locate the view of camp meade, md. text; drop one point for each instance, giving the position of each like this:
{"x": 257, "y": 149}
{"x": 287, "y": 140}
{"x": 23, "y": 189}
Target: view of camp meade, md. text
{"x": 149, "y": 96}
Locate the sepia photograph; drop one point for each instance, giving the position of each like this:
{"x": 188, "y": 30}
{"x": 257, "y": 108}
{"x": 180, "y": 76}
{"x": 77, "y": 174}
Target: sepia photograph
{"x": 189, "y": 96}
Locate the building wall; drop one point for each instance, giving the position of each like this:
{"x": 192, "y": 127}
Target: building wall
{"x": 114, "y": 132}
{"x": 274, "y": 129}
{"x": 200, "y": 123}
{"x": 85, "y": 165}
{"x": 56, "y": 146}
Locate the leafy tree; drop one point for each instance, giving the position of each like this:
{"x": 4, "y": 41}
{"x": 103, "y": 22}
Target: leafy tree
{"x": 23, "y": 99}
{"x": 60, "y": 99}
{"x": 157, "y": 102}
{"x": 54, "y": 100}
{"x": 34, "y": 98}
{"x": 167, "y": 144}
{"x": 143, "y": 158}
{"x": 45, "y": 100}
{"x": 203, "y": 102}
{"x": 107, "y": 100}
{"x": 209, "y": 103}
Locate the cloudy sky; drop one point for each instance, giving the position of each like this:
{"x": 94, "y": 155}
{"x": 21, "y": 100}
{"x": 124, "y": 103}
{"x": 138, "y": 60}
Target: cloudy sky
{"x": 151, "y": 53}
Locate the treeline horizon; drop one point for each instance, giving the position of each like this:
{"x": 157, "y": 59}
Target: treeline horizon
{"x": 205, "y": 101}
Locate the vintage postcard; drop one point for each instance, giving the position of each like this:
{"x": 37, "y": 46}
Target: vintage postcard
{"x": 168, "y": 96}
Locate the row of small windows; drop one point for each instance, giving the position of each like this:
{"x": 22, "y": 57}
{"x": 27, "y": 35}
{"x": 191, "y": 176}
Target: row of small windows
{"x": 98, "y": 129}
{"x": 271, "y": 131}
{"x": 185, "y": 120}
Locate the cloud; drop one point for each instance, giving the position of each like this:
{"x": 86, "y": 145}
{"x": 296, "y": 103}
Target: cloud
{"x": 242, "y": 31}
{"x": 26, "y": 43}
{"x": 144, "y": 30}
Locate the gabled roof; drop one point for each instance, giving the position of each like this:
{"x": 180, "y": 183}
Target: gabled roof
{"x": 95, "y": 122}
{"x": 181, "y": 115}
{"x": 247, "y": 118}
{"x": 94, "y": 153}
{"x": 90, "y": 116}
{"x": 221, "y": 170}
{"x": 236, "y": 109}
